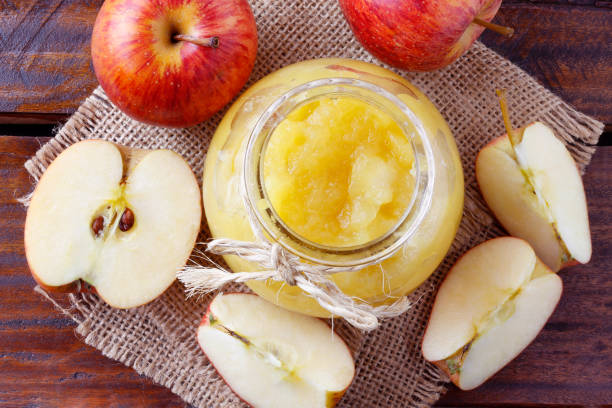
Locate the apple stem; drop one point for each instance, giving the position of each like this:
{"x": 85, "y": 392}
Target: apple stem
{"x": 212, "y": 42}
{"x": 503, "y": 103}
{"x": 503, "y": 30}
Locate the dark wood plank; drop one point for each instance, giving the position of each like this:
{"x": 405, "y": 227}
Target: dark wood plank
{"x": 567, "y": 48}
{"x": 44, "y": 54}
{"x": 42, "y": 361}
{"x": 570, "y": 362}
{"x": 46, "y": 66}
{"x": 32, "y": 118}
{"x": 44, "y": 364}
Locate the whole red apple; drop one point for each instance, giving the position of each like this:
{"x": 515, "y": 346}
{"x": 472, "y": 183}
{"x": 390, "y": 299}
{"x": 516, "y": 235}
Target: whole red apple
{"x": 418, "y": 35}
{"x": 173, "y": 62}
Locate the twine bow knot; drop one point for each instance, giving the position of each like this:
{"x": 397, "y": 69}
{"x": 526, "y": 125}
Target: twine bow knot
{"x": 280, "y": 265}
{"x": 279, "y": 262}
{"x": 283, "y": 266}
{"x": 271, "y": 256}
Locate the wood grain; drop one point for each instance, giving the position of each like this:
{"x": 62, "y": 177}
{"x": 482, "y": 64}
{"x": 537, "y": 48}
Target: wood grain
{"x": 46, "y": 64}
{"x": 44, "y": 364}
{"x": 570, "y": 362}
{"x": 45, "y": 72}
{"x": 42, "y": 361}
{"x": 44, "y": 54}
{"x": 567, "y": 48}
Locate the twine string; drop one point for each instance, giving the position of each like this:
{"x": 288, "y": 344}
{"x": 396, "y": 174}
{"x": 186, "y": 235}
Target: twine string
{"x": 280, "y": 265}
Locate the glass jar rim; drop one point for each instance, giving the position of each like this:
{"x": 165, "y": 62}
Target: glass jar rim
{"x": 370, "y": 252}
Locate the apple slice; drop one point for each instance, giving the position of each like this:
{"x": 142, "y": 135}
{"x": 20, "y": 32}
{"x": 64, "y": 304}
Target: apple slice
{"x": 531, "y": 183}
{"x": 272, "y": 357}
{"x": 493, "y": 303}
{"x": 123, "y": 221}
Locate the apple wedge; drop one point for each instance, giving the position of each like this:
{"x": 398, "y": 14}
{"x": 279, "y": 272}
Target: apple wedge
{"x": 272, "y": 357}
{"x": 532, "y": 185}
{"x": 492, "y": 304}
{"x": 123, "y": 221}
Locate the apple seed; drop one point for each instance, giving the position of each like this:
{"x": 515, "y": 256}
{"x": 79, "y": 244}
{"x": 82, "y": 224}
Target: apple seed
{"x": 97, "y": 225}
{"x": 127, "y": 220}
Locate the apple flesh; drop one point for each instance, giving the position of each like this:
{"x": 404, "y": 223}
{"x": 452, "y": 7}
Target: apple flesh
{"x": 536, "y": 192}
{"x": 173, "y": 63}
{"x": 493, "y": 303}
{"x": 418, "y": 35}
{"x": 120, "y": 220}
{"x": 272, "y": 357}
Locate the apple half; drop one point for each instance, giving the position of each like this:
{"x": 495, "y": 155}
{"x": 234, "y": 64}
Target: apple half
{"x": 121, "y": 220}
{"x": 272, "y": 357}
{"x": 492, "y": 304}
{"x": 535, "y": 191}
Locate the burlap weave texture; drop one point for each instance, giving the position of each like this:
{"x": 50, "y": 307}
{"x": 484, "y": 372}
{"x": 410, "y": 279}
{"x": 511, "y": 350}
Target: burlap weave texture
{"x": 158, "y": 340}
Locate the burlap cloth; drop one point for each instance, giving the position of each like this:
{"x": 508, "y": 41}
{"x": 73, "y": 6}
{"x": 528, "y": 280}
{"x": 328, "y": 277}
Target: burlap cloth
{"x": 158, "y": 340}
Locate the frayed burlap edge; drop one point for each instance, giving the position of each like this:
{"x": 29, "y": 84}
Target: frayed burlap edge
{"x": 578, "y": 131}
{"x": 158, "y": 340}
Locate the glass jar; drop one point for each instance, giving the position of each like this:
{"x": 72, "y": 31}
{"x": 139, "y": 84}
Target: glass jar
{"x": 399, "y": 259}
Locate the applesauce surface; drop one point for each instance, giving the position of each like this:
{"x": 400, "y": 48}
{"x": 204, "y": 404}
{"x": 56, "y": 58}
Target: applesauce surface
{"x": 337, "y": 170}
{"x": 314, "y": 183}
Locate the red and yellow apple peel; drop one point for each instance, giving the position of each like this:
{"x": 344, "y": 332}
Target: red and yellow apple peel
{"x": 271, "y": 357}
{"x": 103, "y": 219}
{"x": 173, "y": 63}
{"x": 491, "y": 305}
{"x": 420, "y": 35}
{"x": 533, "y": 187}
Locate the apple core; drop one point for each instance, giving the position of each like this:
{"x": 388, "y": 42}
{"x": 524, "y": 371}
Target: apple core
{"x": 121, "y": 220}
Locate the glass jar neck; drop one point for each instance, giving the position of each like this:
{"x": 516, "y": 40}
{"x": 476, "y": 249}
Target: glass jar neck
{"x": 267, "y": 218}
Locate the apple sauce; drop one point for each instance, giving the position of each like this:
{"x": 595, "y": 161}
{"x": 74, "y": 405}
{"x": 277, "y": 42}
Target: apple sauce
{"x": 351, "y": 154}
{"x": 352, "y": 164}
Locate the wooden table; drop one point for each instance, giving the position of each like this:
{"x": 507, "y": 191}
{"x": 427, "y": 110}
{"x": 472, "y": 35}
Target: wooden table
{"x": 45, "y": 72}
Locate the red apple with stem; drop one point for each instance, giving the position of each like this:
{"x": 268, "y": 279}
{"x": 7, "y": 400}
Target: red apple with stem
{"x": 420, "y": 35}
{"x": 173, "y": 62}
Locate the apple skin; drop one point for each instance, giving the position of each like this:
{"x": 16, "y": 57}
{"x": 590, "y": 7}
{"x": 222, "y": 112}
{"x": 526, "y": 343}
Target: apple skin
{"x": 332, "y": 398}
{"x": 417, "y": 35}
{"x": 453, "y": 377}
{"x": 131, "y": 157}
{"x": 206, "y": 322}
{"x": 441, "y": 363}
{"x": 492, "y": 144}
{"x": 174, "y": 84}
{"x": 78, "y": 286}
{"x": 540, "y": 267}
